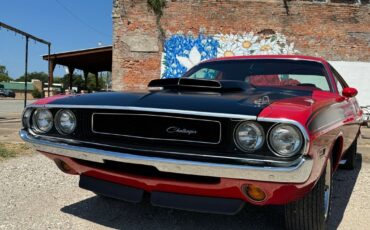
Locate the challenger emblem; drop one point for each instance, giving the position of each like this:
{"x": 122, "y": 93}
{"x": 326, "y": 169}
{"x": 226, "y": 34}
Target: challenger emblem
{"x": 174, "y": 129}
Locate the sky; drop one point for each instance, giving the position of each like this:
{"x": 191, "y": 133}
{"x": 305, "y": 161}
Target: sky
{"x": 67, "y": 24}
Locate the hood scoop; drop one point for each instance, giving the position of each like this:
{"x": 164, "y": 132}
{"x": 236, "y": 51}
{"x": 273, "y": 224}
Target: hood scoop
{"x": 198, "y": 84}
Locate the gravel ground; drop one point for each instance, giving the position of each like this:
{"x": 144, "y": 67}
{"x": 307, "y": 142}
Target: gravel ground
{"x": 10, "y": 114}
{"x": 9, "y": 128}
{"x": 34, "y": 194}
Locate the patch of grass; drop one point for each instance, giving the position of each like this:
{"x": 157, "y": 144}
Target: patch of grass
{"x": 8, "y": 150}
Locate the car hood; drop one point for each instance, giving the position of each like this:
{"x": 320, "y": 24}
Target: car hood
{"x": 248, "y": 102}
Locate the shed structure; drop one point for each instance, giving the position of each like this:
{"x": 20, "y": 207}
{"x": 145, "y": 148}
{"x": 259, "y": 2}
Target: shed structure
{"x": 92, "y": 60}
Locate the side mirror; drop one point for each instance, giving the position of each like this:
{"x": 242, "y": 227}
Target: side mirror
{"x": 349, "y": 92}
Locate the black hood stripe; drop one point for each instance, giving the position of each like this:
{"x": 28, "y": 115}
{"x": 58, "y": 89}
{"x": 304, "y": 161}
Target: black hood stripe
{"x": 142, "y": 109}
{"x": 243, "y": 104}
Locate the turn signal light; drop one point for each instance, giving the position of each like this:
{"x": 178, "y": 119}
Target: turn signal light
{"x": 255, "y": 193}
{"x": 65, "y": 167}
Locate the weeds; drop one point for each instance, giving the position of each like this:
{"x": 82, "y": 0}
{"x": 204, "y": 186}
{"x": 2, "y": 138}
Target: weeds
{"x": 8, "y": 150}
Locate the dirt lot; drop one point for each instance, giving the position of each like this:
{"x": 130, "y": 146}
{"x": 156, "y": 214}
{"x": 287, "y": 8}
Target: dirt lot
{"x": 34, "y": 194}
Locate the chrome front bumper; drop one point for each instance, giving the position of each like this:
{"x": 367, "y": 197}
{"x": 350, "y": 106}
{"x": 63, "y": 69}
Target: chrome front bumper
{"x": 292, "y": 174}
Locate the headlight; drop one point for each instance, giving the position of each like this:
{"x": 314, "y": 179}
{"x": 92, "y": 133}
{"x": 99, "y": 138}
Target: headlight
{"x": 65, "y": 121}
{"x": 42, "y": 121}
{"x": 285, "y": 140}
{"x": 26, "y": 118}
{"x": 249, "y": 136}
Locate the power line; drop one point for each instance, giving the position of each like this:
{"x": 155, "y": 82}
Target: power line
{"x": 81, "y": 20}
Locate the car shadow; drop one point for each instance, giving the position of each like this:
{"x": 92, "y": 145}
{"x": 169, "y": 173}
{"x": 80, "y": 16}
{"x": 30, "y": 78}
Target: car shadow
{"x": 118, "y": 214}
{"x": 344, "y": 182}
{"x": 122, "y": 215}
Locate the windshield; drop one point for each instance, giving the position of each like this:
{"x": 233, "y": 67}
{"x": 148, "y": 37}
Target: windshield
{"x": 265, "y": 73}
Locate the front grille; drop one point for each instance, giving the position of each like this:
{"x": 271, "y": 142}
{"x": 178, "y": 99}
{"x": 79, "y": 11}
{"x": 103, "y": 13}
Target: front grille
{"x": 137, "y": 133}
{"x": 157, "y": 127}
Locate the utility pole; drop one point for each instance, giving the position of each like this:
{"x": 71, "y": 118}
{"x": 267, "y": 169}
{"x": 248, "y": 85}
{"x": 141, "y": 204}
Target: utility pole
{"x": 26, "y": 73}
{"x": 28, "y": 36}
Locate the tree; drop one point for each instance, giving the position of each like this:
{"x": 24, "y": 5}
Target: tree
{"x": 79, "y": 82}
{"x": 91, "y": 83}
{"x": 3, "y": 70}
{"x": 58, "y": 80}
{"x": 4, "y": 78}
{"x": 4, "y": 74}
{"x": 42, "y": 76}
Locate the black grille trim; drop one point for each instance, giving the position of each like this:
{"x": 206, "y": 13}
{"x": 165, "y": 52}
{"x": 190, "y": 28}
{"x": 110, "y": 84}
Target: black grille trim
{"x": 215, "y": 139}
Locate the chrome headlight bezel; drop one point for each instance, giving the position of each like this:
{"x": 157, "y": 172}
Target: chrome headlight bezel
{"x": 36, "y": 125}
{"x": 272, "y": 145}
{"x": 26, "y": 118}
{"x": 57, "y": 122}
{"x": 259, "y": 132}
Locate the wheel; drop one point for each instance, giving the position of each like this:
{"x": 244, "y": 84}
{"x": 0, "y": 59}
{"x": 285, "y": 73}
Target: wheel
{"x": 350, "y": 157}
{"x": 313, "y": 210}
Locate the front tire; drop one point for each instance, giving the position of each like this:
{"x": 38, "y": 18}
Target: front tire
{"x": 313, "y": 210}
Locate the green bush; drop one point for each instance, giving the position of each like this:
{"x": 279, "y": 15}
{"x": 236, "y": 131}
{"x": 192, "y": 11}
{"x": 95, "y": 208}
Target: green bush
{"x": 36, "y": 94}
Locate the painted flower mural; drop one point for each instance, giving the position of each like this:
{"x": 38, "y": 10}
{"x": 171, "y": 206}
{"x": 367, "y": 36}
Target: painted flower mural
{"x": 228, "y": 50}
{"x": 236, "y": 45}
{"x": 194, "y": 58}
{"x": 247, "y": 43}
{"x": 182, "y": 52}
{"x": 268, "y": 46}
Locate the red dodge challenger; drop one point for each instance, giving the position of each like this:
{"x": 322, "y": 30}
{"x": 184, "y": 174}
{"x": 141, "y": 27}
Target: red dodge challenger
{"x": 258, "y": 129}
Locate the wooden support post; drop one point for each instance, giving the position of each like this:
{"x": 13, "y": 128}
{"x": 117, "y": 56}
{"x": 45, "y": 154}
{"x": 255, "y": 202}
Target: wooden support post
{"x": 86, "y": 76}
{"x": 70, "y": 76}
{"x": 96, "y": 80}
{"x": 52, "y": 65}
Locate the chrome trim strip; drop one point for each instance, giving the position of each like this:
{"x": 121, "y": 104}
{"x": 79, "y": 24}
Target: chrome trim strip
{"x": 153, "y": 138}
{"x": 294, "y": 174}
{"x": 242, "y": 160}
{"x": 305, "y": 134}
{"x": 144, "y": 109}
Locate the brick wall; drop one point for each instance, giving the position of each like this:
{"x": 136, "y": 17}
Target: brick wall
{"x": 334, "y": 31}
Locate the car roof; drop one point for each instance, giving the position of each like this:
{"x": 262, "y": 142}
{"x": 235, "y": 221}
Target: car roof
{"x": 253, "y": 57}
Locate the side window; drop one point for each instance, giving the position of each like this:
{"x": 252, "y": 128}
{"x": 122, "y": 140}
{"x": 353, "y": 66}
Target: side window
{"x": 339, "y": 85}
{"x": 317, "y": 81}
{"x": 338, "y": 80}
